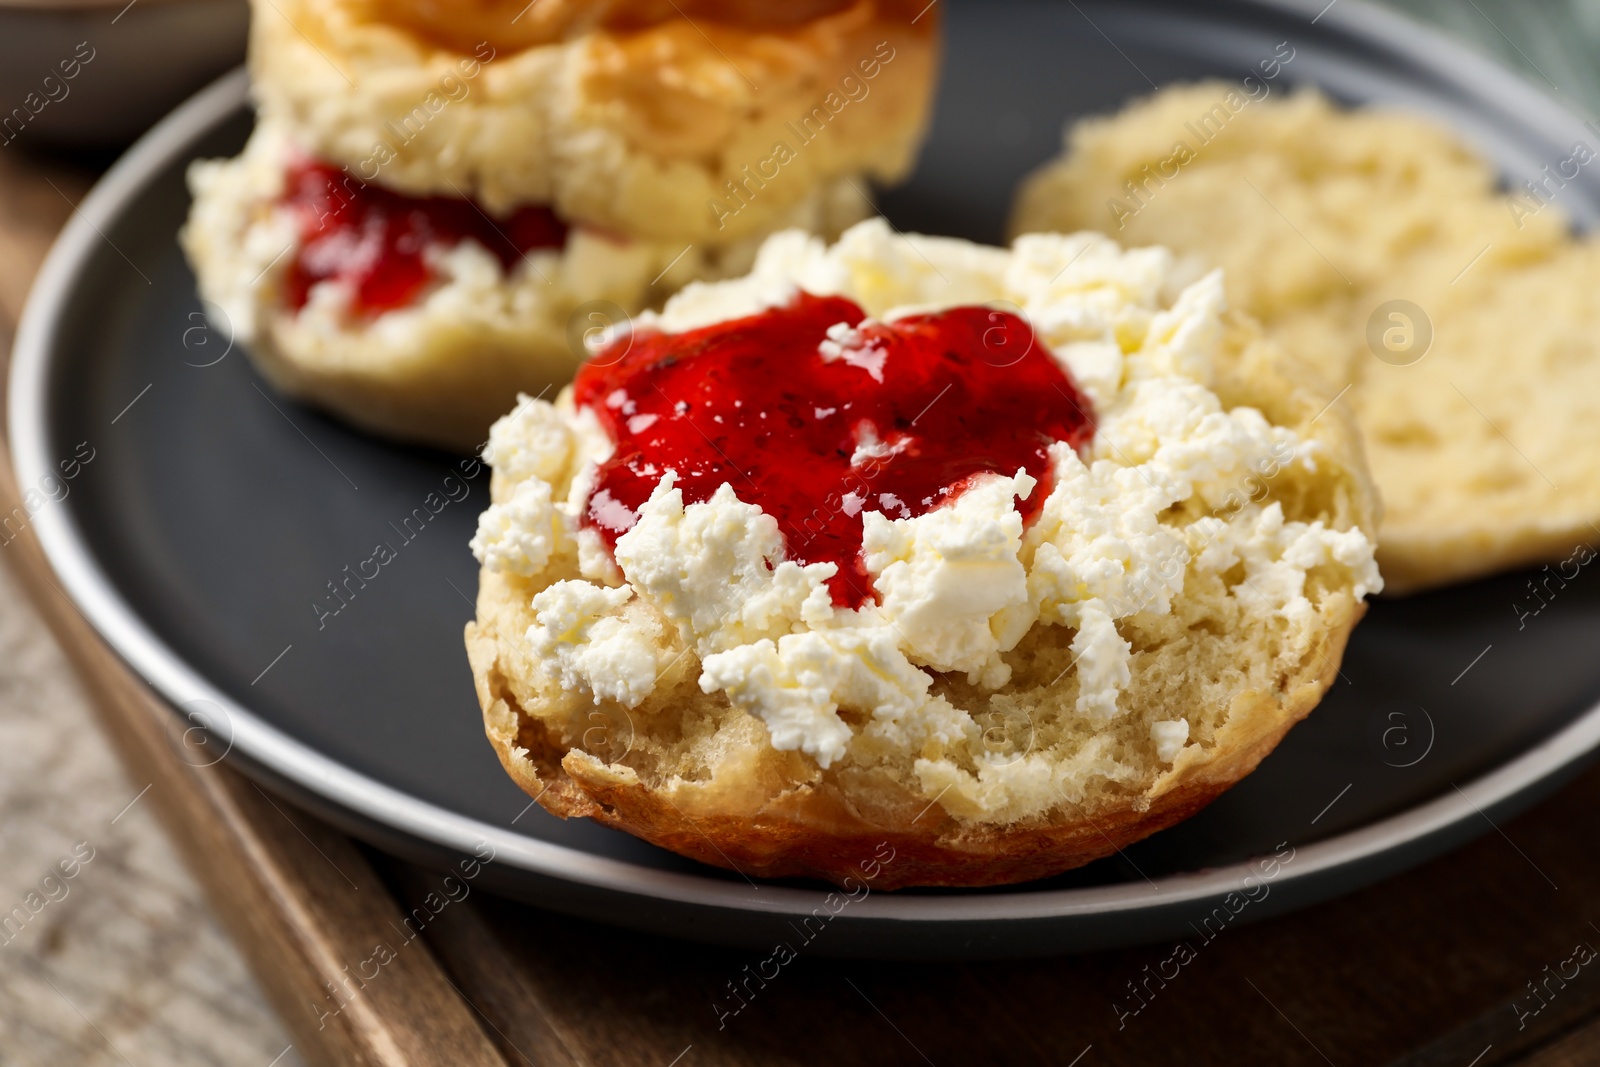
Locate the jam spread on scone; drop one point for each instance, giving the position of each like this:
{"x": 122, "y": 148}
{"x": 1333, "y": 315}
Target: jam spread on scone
{"x": 815, "y": 414}
{"x": 376, "y": 239}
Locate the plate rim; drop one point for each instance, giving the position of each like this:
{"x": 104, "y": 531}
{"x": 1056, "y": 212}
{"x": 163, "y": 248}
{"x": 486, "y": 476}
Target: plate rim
{"x": 306, "y": 768}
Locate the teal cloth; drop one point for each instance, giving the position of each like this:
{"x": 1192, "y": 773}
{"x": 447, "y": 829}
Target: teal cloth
{"x": 1555, "y": 44}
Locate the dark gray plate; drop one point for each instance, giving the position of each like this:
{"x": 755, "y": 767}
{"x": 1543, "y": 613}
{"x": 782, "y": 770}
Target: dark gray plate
{"x": 215, "y": 514}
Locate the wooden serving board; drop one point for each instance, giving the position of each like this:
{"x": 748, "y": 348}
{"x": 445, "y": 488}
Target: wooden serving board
{"x": 1483, "y": 957}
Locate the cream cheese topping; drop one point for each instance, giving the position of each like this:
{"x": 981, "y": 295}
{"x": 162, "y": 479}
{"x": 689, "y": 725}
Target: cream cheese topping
{"x": 960, "y": 586}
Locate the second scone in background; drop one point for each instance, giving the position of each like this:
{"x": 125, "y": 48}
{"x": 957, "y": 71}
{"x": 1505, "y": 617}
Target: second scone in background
{"x": 437, "y": 209}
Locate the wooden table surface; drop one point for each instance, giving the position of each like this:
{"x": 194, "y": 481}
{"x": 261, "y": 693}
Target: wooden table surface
{"x": 126, "y": 962}
{"x": 1479, "y": 958}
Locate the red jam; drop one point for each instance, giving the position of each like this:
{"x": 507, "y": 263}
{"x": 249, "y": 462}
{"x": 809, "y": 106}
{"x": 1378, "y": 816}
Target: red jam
{"x": 761, "y": 404}
{"x": 375, "y": 239}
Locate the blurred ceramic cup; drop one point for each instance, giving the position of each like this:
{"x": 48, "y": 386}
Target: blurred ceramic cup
{"x": 97, "y": 73}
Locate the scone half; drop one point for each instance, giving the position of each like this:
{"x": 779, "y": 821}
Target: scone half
{"x": 1454, "y": 314}
{"x": 443, "y": 205}
{"x": 1035, "y": 669}
{"x": 279, "y": 243}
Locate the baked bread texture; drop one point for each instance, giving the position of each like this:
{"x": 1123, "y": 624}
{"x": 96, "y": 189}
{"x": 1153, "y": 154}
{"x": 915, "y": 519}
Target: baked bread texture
{"x": 707, "y": 121}
{"x": 1021, "y": 698}
{"x": 1477, "y": 402}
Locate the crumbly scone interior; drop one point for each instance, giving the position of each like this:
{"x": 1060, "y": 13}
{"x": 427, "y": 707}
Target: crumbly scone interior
{"x": 1319, "y": 216}
{"x": 1270, "y": 564}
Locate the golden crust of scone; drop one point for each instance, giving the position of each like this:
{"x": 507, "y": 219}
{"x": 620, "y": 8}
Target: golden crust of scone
{"x": 627, "y": 117}
{"x": 814, "y": 830}
{"x": 514, "y": 25}
{"x": 776, "y": 814}
{"x": 1480, "y": 446}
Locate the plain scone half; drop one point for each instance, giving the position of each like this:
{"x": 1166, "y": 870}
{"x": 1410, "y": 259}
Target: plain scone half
{"x": 1456, "y": 315}
{"x": 441, "y": 206}
{"x": 1044, "y": 668}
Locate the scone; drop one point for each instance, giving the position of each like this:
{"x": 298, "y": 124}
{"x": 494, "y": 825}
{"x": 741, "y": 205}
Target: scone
{"x": 1382, "y": 250}
{"x": 444, "y": 205}
{"x": 992, "y": 561}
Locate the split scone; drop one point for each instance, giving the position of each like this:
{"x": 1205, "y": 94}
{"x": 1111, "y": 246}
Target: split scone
{"x": 1477, "y": 395}
{"x": 1005, "y": 558}
{"x": 444, "y": 205}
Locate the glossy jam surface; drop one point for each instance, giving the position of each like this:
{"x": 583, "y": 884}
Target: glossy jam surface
{"x": 375, "y": 239}
{"x": 815, "y": 427}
